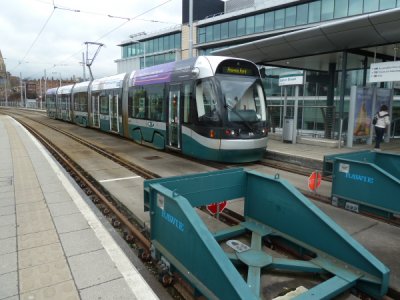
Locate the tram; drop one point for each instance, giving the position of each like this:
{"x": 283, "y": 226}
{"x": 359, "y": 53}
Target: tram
{"x": 207, "y": 107}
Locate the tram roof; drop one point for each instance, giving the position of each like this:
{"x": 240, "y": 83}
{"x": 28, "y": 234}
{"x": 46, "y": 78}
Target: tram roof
{"x": 316, "y": 47}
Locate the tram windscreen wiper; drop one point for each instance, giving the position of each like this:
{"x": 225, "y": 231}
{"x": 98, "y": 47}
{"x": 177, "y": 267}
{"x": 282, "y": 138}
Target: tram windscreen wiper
{"x": 230, "y": 108}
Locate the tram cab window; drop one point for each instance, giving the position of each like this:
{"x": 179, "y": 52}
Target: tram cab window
{"x": 206, "y": 101}
{"x": 244, "y": 99}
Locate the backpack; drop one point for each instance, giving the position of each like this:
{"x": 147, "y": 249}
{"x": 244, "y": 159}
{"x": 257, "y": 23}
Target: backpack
{"x": 375, "y": 119}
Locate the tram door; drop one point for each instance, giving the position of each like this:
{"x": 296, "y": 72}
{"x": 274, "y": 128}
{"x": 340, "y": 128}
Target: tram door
{"x": 174, "y": 134}
{"x": 113, "y": 103}
{"x": 58, "y": 107}
{"x": 68, "y": 107}
{"x": 95, "y": 111}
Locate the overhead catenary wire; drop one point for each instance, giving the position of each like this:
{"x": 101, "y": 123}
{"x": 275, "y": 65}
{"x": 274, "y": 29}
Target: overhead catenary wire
{"x": 127, "y": 20}
{"x": 34, "y": 41}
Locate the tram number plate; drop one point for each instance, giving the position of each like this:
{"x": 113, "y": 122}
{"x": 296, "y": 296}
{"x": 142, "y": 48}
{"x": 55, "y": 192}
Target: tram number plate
{"x": 351, "y": 206}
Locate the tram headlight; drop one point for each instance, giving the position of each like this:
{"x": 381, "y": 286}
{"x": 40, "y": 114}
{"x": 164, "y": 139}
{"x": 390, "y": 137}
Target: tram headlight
{"x": 230, "y": 132}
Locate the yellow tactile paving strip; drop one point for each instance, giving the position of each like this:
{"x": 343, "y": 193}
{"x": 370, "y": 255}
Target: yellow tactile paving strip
{"x": 43, "y": 271}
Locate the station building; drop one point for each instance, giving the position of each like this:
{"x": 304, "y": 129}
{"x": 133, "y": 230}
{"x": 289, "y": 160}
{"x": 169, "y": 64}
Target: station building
{"x": 331, "y": 42}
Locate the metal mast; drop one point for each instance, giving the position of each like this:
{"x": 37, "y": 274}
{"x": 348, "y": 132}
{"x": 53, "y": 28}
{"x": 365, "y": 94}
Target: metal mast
{"x": 89, "y": 61}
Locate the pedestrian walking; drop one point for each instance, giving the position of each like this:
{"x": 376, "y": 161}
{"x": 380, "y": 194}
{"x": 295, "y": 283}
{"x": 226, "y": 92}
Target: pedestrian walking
{"x": 381, "y": 121}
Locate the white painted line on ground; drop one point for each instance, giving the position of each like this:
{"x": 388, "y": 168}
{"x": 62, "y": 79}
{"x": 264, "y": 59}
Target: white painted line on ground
{"x": 118, "y": 179}
{"x": 134, "y": 280}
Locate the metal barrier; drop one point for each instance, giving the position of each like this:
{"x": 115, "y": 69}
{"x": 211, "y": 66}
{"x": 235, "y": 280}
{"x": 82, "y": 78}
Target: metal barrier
{"x": 365, "y": 181}
{"x": 275, "y": 213}
{"x": 313, "y": 120}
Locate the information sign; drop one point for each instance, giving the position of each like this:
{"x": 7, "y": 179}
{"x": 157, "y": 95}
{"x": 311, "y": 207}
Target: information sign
{"x": 384, "y": 72}
{"x": 291, "y": 79}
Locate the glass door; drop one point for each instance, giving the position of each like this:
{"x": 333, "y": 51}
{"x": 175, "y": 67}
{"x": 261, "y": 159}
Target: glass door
{"x": 68, "y": 108}
{"x": 114, "y": 124}
{"x": 95, "y": 111}
{"x": 174, "y": 134}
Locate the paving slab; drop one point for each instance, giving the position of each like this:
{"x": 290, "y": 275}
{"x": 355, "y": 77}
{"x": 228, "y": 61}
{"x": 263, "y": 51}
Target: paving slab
{"x": 8, "y": 245}
{"x": 28, "y": 195}
{"x": 37, "y": 239}
{"x": 114, "y": 289}
{"x": 56, "y": 197}
{"x": 8, "y": 219}
{"x": 9, "y": 285}
{"x": 51, "y": 187}
{"x": 70, "y": 223}
{"x": 79, "y": 242}
{"x": 7, "y": 198}
{"x": 7, "y": 210}
{"x": 36, "y": 226}
{"x": 43, "y": 275}
{"x": 63, "y": 208}
{"x": 62, "y": 291}
{"x": 39, "y": 255}
{"x": 7, "y": 231}
{"x": 8, "y": 263}
{"x": 88, "y": 272}
{"x": 33, "y": 216}
{"x": 31, "y": 206}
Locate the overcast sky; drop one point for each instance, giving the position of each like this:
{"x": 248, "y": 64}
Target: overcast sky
{"x": 35, "y": 36}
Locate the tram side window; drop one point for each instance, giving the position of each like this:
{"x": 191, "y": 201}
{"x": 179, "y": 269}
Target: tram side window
{"x": 51, "y": 101}
{"x": 76, "y": 102}
{"x": 80, "y": 101}
{"x": 104, "y": 104}
{"x": 206, "y": 101}
{"x": 155, "y": 95}
{"x": 64, "y": 101}
{"x": 138, "y": 103}
{"x": 83, "y": 101}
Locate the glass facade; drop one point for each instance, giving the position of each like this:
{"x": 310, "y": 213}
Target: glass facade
{"x": 149, "y": 50}
{"x": 300, "y": 14}
{"x": 320, "y": 105}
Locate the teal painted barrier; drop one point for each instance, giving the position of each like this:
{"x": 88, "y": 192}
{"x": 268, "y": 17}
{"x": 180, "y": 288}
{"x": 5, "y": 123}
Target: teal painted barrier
{"x": 273, "y": 209}
{"x": 366, "y": 181}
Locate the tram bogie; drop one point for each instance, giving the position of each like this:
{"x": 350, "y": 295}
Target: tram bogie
{"x": 207, "y": 107}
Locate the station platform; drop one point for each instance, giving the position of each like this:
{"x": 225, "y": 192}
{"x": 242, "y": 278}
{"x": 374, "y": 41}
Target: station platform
{"x": 54, "y": 244}
{"x": 311, "y": 153}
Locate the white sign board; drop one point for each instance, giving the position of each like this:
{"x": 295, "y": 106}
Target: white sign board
{"x": 291, "y": 79}
{"x": 386, "y": 71}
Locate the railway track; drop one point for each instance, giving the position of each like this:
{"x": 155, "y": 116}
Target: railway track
{"x": 230, "y": 215}
{"x": 111, "y": 208}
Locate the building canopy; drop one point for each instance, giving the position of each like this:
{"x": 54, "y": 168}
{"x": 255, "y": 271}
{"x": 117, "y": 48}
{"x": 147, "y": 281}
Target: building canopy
{"x": 315, "y": 48}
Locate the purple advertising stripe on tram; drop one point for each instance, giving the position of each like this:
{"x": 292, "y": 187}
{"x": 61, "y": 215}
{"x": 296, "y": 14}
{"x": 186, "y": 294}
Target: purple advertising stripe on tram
{"x": 153, "y": 75}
